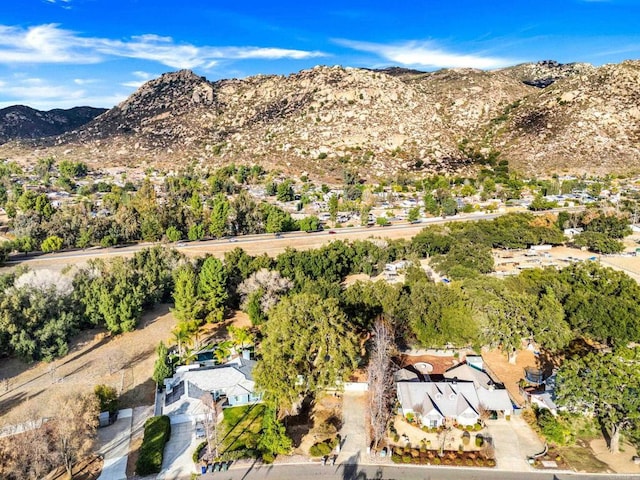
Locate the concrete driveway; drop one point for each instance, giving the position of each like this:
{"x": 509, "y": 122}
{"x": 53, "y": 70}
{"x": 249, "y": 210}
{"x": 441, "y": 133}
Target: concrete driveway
{"x": 113, "y": 445}
{"x": 353, "y": 431}
{"x": 177, "y": 462}
{"x": 514, "y": 441}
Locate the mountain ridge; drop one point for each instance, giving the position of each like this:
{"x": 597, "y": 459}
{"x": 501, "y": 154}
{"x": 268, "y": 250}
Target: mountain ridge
{"x": 543, "y": 118}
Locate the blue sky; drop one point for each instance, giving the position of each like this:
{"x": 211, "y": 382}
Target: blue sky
{"x": 63, "y": 53}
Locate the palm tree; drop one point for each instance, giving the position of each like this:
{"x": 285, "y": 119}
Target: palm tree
{"x": 180, "y": 336}
{"x": 222, "y": 351}
{"x": 242, "y": 337}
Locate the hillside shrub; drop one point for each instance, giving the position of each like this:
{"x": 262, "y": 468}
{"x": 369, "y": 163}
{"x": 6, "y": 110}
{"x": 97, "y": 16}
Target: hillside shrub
{"x": 157, "y": 431}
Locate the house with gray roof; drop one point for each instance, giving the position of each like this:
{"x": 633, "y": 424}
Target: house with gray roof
{"x": 230, "y": 384}
{"x": 436, "y": 403}
{"x": 465, "y": 391}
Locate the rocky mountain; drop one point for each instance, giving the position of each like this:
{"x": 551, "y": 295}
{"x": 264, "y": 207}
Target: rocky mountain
{"x": 544, "y": 73}
{"x": 588, "y": 122}
{"x": 24, "y": 122}
{"x": 542, "y": 118}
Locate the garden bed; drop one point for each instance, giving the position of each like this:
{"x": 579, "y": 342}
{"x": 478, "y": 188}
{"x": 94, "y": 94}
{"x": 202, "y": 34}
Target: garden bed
{"x": 433, "y": 457}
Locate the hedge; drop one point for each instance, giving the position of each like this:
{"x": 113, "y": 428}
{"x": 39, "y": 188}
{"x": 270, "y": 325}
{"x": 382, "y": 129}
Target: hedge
{"x": 157, "y": 431}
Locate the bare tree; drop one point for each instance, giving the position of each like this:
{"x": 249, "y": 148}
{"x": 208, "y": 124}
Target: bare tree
{"x": 270, "y": 282}
{"x": 28, "y": 451}
{"x": 210, "y": 422}
{"x": 75, "y": 427}
{"x": 381, "y": 394}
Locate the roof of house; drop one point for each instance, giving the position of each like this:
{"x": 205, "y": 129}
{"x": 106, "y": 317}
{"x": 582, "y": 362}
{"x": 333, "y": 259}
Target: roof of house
{"x": 449, "y": 399}
{"x": 234, "y": 378}
{"x": 494, "y": 399}
{"x": 406, "y": 375}
{"x": 466, "y": 373}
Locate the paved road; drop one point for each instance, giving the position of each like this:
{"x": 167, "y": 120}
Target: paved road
{"x": 373, "y": 472}
{"x": 293, "y": 239}
{"x": 113, "y": 444}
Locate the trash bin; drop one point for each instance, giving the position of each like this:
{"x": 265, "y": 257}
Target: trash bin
{"x": 203, "y": 469}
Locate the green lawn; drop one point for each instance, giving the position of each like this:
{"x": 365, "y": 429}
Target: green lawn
{"x": 241, "y": 427}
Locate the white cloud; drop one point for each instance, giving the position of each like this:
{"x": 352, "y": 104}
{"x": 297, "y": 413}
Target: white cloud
{"x": 51, "y": 44}
{"x": 427, "y": 54}
{"x": 85, "y": 81}
{"x": 141, "y": 78}
{"x": 43, "y": 44}
{"x": 44, "y": 95}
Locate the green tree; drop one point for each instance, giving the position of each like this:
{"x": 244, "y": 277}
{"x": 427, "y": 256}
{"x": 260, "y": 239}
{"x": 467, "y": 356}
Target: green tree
{"x": 219, "y": 220}
{"x": 309, "y": 224}
{"x": 72, "y": 169}
{"x": 212, "y": 281}
{"x": 606, "y": 384}
{"x": 107, "y": 397}
{"x": 196, "y": 232}
{"x": 273, "y": 437}
{"x": 598, "y": 242}
{"x": 414, "y": 214}
{"x": 188, "y": 306}
{"x": 242, "y": 337}
{"x": 441, "y": 315}
{"x": 431, "y": 204}
{"x": 43, "y": 207}
{"x": 284, "y": 192}
{"x": 161, "y": 367}
{"x": 307, "y": 346}
{"x": 51, "y": 244}
{"x": 173, "y": 234}
{"x": 84, "y": 238}
{"x": 333, "y": 207}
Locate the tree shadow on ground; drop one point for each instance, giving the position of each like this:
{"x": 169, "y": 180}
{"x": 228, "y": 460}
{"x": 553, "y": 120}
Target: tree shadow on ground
{"x": 141, "y": 394}
{"x": 299, "y": 425}
{"x": 234, "y": 434}
{"x": 351, "y": 470}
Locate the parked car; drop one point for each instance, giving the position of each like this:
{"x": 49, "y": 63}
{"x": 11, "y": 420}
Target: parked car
{"x": 200, "y": 432}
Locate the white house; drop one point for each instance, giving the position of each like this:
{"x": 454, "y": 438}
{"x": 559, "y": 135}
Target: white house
{"x": 437, "y": 403}
{"x": 232, "y": 381}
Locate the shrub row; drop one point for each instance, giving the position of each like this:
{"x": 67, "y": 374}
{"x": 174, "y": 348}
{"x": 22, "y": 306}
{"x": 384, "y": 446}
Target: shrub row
{"x": 157, "y": 431}
{"x": 468, "y": 462}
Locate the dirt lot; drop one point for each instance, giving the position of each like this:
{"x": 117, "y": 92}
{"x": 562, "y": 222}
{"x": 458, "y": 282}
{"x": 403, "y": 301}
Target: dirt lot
{"x": 497, "y": 364}
{"x": 124, "y": 361}
{"x": 512, "y": 262}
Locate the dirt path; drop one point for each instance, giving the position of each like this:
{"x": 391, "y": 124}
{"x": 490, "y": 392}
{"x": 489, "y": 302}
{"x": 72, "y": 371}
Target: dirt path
{"x": 124, "y": 362}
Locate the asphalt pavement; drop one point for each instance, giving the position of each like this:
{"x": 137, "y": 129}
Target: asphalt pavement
{"x": 390, "y": 472}
{"x": 113, "y": 445}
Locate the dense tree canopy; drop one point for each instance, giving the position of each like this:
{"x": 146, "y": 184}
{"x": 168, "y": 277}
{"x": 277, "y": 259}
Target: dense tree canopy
{"x": 606, "y": 384}
{"x": 307, "y": 346}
